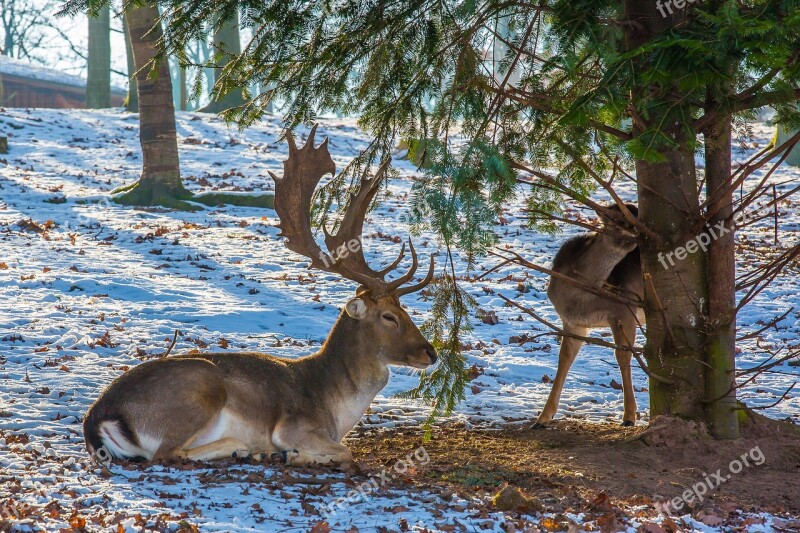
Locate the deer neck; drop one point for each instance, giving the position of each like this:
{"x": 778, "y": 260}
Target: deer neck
{"x": 354, "y": 372}
{"x": 600, "y": 258}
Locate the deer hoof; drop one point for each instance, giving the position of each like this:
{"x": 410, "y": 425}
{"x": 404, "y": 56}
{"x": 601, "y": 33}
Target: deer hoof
{"x": 285, "y": 456}
{"x": 539, "y": 425}
{"x": 279, "y": 456}
{"x": 627, "y": 424}
{"x": 240, "y": 454}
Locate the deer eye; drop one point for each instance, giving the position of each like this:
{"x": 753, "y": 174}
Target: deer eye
{"x": 390, "y": 318}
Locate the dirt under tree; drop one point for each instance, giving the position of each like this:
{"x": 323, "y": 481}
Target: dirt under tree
{"x": 602, "y": 469}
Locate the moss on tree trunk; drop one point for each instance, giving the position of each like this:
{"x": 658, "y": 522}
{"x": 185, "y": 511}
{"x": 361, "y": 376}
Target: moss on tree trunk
{"x": 721, "y": 339}
{"x": 162, "y": 192}
{"x": 215, "y": 198}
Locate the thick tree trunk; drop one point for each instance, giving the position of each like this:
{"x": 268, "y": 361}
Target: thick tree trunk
{"x": 721, "y": 342}
{"x": 98, "y": 79}
{"x": 685, "y": 284}
{"x": 226, "y": 39}
{"x": 675, "y": 286}
{"x": 160, "y": 183}
{"x": 183, "y": 98}
{"x": 132, "y": 101}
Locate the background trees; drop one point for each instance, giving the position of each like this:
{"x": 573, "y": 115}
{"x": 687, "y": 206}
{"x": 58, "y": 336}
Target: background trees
{"x": 28, "y": 32}
{"x": 160, "y": 182}
{"x": 132, "y": 101}
{"x": 226, "y": 44}
{"x": 98, "y": 80}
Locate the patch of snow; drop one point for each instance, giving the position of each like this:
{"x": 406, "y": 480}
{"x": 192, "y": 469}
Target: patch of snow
{"x": 91, "y": 288}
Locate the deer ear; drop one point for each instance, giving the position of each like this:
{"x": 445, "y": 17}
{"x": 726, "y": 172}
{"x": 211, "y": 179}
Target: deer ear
{"x": 356, "y": 308}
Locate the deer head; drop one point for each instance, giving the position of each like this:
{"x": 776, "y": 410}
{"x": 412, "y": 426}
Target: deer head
{"x": 376, "y": 306}
{"x": 616, "y": 227}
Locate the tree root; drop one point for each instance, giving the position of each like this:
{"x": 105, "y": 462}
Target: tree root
{"x": 152, "y": 193}
{"x": 673, "y": 431}
{"x": 213, "y": 199}
{"x": 756, "y": 425}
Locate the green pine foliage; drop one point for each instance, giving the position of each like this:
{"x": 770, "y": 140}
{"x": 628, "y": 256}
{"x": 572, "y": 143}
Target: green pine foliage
{"x": 444, "y": 386}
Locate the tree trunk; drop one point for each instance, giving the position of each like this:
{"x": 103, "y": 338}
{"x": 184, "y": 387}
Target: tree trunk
{"x": 675, "y": 286}
{"x": 183, "y": 98}
{"x": 227, "y": 42}
{"x": 721, "y": 342}
{"x": 678, "y": 275}
{"x": 160, "y": 182}
{"x": 132, "y": 100}
{"x": 8, "y": 41}
{"x": 98, "y": 79}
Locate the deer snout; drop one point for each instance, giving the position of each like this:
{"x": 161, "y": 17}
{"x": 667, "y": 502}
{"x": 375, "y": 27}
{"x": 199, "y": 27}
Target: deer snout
{"x": 430, "y": 351}
{"x": 421, "y": 357}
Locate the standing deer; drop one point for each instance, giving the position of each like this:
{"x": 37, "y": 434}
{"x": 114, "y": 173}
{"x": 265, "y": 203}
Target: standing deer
{"x": 604, "y": 260}
{"x": 215, "y": 405}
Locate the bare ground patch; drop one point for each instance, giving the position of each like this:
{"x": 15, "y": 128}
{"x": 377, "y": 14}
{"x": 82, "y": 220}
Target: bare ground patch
{"x": 609, "y": 472}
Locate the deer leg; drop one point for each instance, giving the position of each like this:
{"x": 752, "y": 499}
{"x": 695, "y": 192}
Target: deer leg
{"x": 305, "y": 446}
{"x": 566, "y": 355}
{"x": 219, "y": 449}
{"x": 624, "y": 335}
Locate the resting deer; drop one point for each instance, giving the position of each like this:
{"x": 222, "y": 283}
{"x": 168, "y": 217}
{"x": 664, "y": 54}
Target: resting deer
{"x": 215, "y": 405}
{"x": 605, "y": 260}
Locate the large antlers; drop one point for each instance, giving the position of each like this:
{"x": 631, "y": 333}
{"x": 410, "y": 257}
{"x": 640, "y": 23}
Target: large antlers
{"x": 345, "y": 255}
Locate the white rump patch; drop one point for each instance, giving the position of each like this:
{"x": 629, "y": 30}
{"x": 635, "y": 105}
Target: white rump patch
{"x": 121, "y": 448}
{"x": 225, "y": 425}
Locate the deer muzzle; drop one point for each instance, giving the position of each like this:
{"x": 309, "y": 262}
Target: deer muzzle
{"x": 424, "y": 357}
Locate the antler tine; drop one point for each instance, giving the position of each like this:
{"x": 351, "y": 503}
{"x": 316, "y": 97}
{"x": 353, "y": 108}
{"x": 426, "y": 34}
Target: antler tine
{"x": 394, "y": 284}
{"x": 311, "y": 135}
{"x": 291, "y": 142}
{"x": 394, "y": 264}
{"x": 414, "y": 288}
{"x": 352, "y": 224}
{"x": 349, "y": 237}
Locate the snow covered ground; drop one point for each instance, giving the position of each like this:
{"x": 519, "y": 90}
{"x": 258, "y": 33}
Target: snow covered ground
{"x": 89, "y": 289}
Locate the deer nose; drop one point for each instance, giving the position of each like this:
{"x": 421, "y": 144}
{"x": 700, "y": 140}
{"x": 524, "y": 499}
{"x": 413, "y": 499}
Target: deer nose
{"x": 431, "y": 351}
